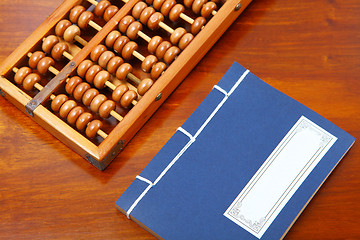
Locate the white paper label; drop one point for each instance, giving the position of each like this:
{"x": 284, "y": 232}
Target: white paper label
{"x": 272, "y": 186}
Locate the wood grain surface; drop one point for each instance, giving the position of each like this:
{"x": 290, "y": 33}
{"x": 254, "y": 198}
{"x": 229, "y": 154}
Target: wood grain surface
{"x": 308, "y": 49}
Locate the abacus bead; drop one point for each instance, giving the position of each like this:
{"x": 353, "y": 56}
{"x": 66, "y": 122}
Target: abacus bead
{"x": 133, "y": 29}
{"x": 188, "y": 3}
{"x": 44, "y": 64}
{"x": 128, "y": 50}
{"x": 85, "y": 18}
{"x": 75, "y": 13}
{"x": 119, "y": 91}
{"x": 49, "y": 42}
{"x": 83, "y": 67}
{"x": 66, "y": 108}
{"x": 114, "y": 63}
{"x": 144, "y": 86}
{"x": 148, "y": 63}
{"x": 120, "y": 43}
{"x": 71, "y": 32}
{"x": 167, "y": 6}
{"x": 58, "y": 102}
{"x": 100, "y": 7}
{"x": 106, "y": 108}
{"x": 111, "y": 38}
{"x": 80, "y": 90}
{"x": 21, "y": 74}
{"x": 58, "y": 50}
{"x": 110, "y": 12}
{"x": 137, "y": 9}
{"x": 83, "y": 120}
{"x": 145, "y": 14}
{"x": 207, "y": 9}
{"x": 89, "y": 96}
{"x": 149, "y": 2}
{"x": 177, "y": 35}
{"x": 171, "y": 54}
{"x": 197, "y": 5}
{"x": 157, "y": 4}
{"x": 154, "y": 43}
{"x": 154, "y": 20}
{"x": 72, "y": 84}
{"x": 157, "y": 70}
{"x": 198, "y": 23}
{"x": 97, "y": 51}
{"x": 61, "y": 27}
{"x": 91, "y": 73}
{"x": 30, "y": 81}
{"x": 101, "y": 78}
{"x": 92, "y": 128}
{"x": 185, "y": 40}
{"x": 175, "y": 12}
{"x": 127, "y": 98}
{"x": 74, "y": 115}
{"x": 123, "y": 71}
{"x": 105, "y": 58}
{"x": 125, "y": 22}
{"x": 35, "y": 58}
{"x": 162, "y": 48}
{"x": 97, "y": 101}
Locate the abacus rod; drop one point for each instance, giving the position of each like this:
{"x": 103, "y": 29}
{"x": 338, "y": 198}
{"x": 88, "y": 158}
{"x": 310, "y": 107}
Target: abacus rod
{"x": 93, "y": 2}
{"x": 186, "y": 18}
{"x": 144, "y": 36}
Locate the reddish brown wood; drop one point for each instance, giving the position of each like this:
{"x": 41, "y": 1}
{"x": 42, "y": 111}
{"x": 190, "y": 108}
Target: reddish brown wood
{"x": 308, "y": 49}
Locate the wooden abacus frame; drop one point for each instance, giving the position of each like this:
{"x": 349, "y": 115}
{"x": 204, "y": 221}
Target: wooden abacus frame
{"x": 100, "y": 156}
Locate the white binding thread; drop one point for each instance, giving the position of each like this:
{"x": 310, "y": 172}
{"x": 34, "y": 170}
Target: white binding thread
{"x": 192, "y": 139}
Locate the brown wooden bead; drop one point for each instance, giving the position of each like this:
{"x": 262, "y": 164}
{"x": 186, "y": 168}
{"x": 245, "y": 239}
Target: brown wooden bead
{"x": 175, "y": 12}
{"x": 125, "y": 22}
{"x": 128, "y": 50}
{"x": 111, "y": 38}
{"x": 66, "y": 108}
{"x": 177, "y": 35}
{"x": 197, "y": 25}
{"x": 197, "y": 5}
{"x": 114, "y": 64}
{"x": 148, "y": 63}
{"x": 106, "y": 108}
{"x": 154, "y": 43}
{"x": 96, "y": 102}
{"x": 149, "y": 2}
{"x": 105, "y": 58}
{"x": 127, "y": 98}
{"x": 207, "y": 9}
{"x": 185, "y": 40}
{"x": 110, "y": 12}
{"x": 171, "y": 54}
{"x": 101, "y": 78}
{"x": 72, "y": 84}
{"x": 157, "y": 4}
{"x": 58, "y": 50}
{"x": 167, "y": 6}
{"x": 85, "y": 18}
{"x": 21, "y": 74}
{"x": 91, "y": 73}
{"x": 123, "y": 71}
{"x": 75, "y": 13}
{"x": 137, "y": 9}
{"x": 154, "y": 20}
{"x": 30, "y": 81}
{"x": 35, "y": 58}
{"x": 133, "y": 29}
{"x": 80, "y": 90}
{"x": 97, "y": 51}
{"x": 157, "y": 70}
{"x": 61, "y": 27}
{"x": 188, "y": 3}
{"x": 89, "y": 96}
{"x": 44, "y": 64}
{"x": 71, "y": 32}
{"x": 58, "y": 101}
{"x": 100, "y": 7}
{"x": 74, "y": 114}
{"x": 119, "y": 91}
{"x": 120, "y": 43}
{"x": 144, "y": 86}
{"x": 145, "y": 15}
{"x": 162, "y": 48}
{"x": 49, "y": 42}
{"x": 84, "y": 67}
{"x": 92, "y": 128}
{"x": 83, "y": 120}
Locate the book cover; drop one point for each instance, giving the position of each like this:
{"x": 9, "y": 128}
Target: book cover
{"x": 243, "y": 166}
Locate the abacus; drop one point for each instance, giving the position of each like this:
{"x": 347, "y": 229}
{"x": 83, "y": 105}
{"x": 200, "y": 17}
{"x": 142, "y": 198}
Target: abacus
{"x": 94, "y": 72}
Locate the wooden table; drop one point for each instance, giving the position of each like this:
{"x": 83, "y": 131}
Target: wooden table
{"x": 308, "y": 49}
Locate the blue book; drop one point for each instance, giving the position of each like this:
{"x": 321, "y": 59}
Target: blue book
{"x": 243, "y": 166}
